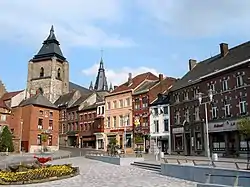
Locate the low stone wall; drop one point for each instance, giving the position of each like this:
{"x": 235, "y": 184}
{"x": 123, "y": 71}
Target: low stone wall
{"x": 198, "y": 174}
{"x": 123, "y": 161}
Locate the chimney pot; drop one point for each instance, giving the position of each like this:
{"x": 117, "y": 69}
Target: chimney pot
{"x": 192, "y": 64}
{"x": 223, "y": 49}
{"x": 129, "y": 78}
{"x": 160, "y": 77}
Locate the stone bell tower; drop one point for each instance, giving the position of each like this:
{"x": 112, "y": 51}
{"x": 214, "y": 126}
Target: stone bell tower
{"x": 48, "y": 70}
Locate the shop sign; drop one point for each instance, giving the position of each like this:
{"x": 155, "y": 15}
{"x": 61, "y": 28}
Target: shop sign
{"x": 222, "y": 126}
{"x": 178, "y": 130}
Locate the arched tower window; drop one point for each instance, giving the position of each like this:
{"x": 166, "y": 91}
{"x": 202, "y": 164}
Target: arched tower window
{"x": 40, "y": 91}
{"x": 59, "y": 73}
{"x": 42, "y": 72}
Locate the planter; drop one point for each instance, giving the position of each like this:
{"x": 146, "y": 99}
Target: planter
{"x": 126, "y": 161}
{"x": 36, "y": 174}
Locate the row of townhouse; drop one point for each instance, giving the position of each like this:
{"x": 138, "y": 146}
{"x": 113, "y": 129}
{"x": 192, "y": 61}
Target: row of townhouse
{"x": 217, "y": 87}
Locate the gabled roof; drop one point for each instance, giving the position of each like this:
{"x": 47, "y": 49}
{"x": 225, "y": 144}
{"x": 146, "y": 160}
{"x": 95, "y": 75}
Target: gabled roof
{"x": 9, "y": 95}
{"x": 83, "y": 90}
{"x": 64, "y": 99}
{"x": 2, "y": 104}
{"x": 216, "y": 63}
{"x": 136, "y": 81}
{"x": 161, "y": 100}
{"x": 50, "y": 48}
{"x": 38, "y": 100}
{"x": 145, "y": 86}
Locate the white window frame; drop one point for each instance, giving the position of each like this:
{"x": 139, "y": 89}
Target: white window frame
{"x": 121, "y": 121}
{"x": 108, "y": 122}
{"x": 177, "y": 116}
{"x": 239, "y": 80}
{"x": 187, "y": 115}
{"x": 225, "y": 84}
{"x": 243, "y": 105}
{"x": 212, "y": 86}
{"x": 121, "y": 103}
{"x": 214, "y": 112}
{"x": 3, "y": 117}
{"x": 227, "y": 110}
{"x": 197, "y": 113}
{"x": 186, "y": 96}
{"x": 114, "y": 121}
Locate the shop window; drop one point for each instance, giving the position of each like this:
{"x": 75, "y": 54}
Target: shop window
{"x": 128, "y": 140}
{"x": 219, "y": 142}
{"x": 198, "y": 141}
{"x": 178, "y": 141}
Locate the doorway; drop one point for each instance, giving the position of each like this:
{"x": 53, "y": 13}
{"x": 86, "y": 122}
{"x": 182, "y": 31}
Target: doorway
{"x": 188, "y": 144}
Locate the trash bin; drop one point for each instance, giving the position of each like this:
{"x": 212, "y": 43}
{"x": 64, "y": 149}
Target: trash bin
{"x": 162, "y": 154}
{"x": 215, "y": 157}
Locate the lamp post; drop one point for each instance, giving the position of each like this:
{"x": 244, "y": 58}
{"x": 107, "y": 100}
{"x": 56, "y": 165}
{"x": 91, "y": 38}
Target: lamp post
{"x": 21, "y": 135}
{"x": 210, "y": 95}
{"x": 125, "y": 132}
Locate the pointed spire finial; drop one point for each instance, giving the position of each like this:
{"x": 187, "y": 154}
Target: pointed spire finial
{"x": 52, "y": 28}
{"x": 111, "y": 87}
{"x": 91, "y": 85}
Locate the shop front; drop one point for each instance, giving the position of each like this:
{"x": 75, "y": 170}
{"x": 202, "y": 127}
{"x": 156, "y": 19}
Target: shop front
{"x": 88, "y": 141}
{"x": 178, "y": 139}
{"x": 225, "y": 139}
{"x": 161, "y": 141}
{"x": 100, "y": 140}
{"x": 188, "y": 139}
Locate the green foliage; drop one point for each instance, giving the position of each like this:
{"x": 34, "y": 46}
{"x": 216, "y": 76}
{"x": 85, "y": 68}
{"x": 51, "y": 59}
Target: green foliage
{"x": 138, "y": 139}
{"x": 6, "y": 143}
{"x": 113, "y": 141}
{"x": 244, "y": 127}
{"x": 44, "y": 138}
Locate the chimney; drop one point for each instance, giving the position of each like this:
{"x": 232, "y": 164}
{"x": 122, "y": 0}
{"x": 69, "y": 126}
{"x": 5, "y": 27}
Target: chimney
{"x": 192, "y": 64}
{"x": 223, "y": 49}
{"x": 115, "y": 87}
{"x": 160, "y": 77}
{"x": 129, "y": 78}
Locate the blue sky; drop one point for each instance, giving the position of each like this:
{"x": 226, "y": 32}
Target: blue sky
{"x": 136, "y": 35}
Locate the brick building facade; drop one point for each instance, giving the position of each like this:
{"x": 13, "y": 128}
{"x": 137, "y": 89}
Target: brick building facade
{"x": 142, "y": 96}
{"x": 226, "y": 75}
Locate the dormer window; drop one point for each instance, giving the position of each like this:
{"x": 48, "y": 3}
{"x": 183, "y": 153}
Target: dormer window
{"x": 59, "y": 73}
{"x": 42, "y": 72}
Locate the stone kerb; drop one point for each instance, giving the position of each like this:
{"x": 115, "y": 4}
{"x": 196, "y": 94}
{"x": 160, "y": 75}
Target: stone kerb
{"x": 199, "y": 174}
{"x": 122, "y": 161}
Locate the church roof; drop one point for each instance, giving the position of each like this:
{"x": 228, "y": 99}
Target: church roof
{"x": 50, "y": 48}
{"x": 101, "y": 80}
{"x": 38, "y": 100}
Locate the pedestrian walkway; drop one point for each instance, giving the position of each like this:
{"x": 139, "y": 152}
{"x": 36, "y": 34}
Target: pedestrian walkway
{"x": 199, "y": 160}
{"x": 99, "y": 174}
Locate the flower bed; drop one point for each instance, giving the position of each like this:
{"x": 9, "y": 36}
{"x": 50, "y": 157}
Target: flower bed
{"x": 36, "y": 175}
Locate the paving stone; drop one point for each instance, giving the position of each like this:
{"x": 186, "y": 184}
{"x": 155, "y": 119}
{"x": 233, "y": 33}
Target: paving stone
{"x": 99, "y": 174}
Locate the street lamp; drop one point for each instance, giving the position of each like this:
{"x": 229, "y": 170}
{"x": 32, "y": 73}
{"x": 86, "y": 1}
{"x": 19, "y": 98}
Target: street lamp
{"x": 21, "y": 135}
{"x": 125, "y": 132}
{"x": 210, "y": 96}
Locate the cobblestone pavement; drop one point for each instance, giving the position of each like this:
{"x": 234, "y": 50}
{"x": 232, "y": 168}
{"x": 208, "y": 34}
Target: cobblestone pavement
{"x": 99, "y": 174}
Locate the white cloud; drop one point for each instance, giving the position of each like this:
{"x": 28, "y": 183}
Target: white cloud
{"x": 192, "y": 18}
{"x": 75, "y": 21}
{"x": 117, "y": 77}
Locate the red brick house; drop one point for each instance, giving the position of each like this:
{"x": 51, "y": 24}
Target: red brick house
{"x": 144, "y": 95}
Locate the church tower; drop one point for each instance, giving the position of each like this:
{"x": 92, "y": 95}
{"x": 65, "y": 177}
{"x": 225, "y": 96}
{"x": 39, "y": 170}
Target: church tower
{"x": 101, "y": 79}
{"x": 48, "y": 71}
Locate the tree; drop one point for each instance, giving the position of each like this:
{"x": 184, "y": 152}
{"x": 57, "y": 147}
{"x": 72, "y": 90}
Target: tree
{"x": 44, "y": 139}
{"x": 244, "y": 128}
{"x": 6, "y": 143}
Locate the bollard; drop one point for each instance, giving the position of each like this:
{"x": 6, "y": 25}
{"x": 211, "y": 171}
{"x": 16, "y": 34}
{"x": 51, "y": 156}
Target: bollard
{"x": 236, "y": 181}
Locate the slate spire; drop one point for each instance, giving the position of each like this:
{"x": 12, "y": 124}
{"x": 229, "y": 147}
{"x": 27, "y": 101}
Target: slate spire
{"x": 91, "y": 85}
{"x": 50, "y": 48}
{"x": 101, "y": 80}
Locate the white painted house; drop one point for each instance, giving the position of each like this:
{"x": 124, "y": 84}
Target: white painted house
{"x": 160, "y": 125}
